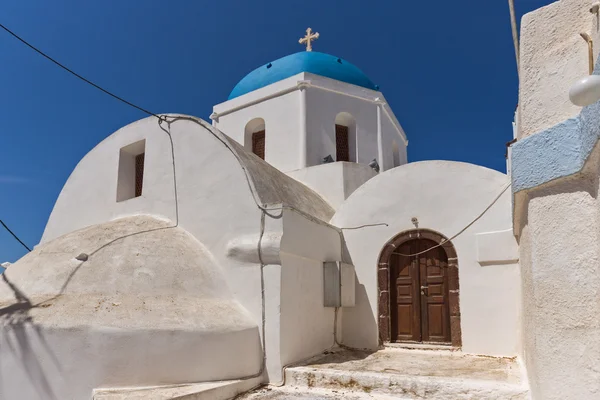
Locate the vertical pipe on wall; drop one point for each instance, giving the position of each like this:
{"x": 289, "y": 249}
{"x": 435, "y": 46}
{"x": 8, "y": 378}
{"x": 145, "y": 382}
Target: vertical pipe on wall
{"x": 380, "y": 139}
{"x": 303, "y": 134}
{"x": 515, "y": 33}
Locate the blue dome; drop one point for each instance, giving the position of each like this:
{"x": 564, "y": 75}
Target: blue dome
{"x": 305, "y": 61}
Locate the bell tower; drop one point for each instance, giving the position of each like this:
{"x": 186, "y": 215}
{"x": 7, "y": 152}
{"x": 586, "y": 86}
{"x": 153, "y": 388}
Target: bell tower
{"x": 309, "y": 110}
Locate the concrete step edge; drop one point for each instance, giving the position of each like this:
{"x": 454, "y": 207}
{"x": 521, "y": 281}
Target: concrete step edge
{"x": 416, "y": 386}
{"x": 316, "y": 392}
{"x": 220, "y": 390}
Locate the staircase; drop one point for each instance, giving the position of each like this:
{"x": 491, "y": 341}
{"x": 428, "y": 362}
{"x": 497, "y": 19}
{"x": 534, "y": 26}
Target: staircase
{"x": 395, "y": 373}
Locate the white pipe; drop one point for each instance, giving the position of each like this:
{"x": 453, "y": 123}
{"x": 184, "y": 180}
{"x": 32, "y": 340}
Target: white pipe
{"x": 379, "y": 139}
{"x": 303, "y": 133}
{"x": 515, "y": 34}
{"x": 254, "y": 102}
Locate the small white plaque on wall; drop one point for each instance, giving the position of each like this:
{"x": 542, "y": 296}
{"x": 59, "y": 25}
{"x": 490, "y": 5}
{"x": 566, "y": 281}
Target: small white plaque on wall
{"x": 497, "y": 248}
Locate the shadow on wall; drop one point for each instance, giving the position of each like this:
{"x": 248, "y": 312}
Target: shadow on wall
{"x": 363, "y": 313}
{"x": 360, "y": 312}
{"x": 18, "y": 329}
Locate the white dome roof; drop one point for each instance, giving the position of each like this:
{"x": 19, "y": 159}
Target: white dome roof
{"x": 149, "y": 306}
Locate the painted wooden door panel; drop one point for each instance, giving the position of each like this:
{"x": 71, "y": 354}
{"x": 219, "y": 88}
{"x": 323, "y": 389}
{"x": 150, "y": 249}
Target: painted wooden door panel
{"x": 419, "y": 293}
{"x": 406, "y": 321}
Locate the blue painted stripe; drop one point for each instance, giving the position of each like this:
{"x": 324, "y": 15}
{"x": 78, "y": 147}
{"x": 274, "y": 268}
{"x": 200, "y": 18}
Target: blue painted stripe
{"x": 557, "y": 152}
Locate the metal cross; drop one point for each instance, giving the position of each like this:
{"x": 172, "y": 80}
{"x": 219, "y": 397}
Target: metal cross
{"x": 308, "y": 38}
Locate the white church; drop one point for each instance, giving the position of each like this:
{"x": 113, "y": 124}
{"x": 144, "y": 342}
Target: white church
{"x": 288, "y": 250}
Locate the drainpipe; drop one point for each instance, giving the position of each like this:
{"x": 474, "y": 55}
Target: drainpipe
{"x": 379, "y": 138}
{"x": 302, "y": 86}
{"x": 515, "y": 34}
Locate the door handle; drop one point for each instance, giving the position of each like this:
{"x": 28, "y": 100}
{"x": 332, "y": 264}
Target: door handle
{"x": 423, "y": 288}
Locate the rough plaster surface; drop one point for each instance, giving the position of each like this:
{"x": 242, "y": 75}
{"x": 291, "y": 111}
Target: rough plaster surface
{"x": 555, "y": 180}
{"x": 445, "y": 196}
{"x": 557, "y": 152}
{"x": 560, "y": 268}
{"x": 149, "y": 306}
{"x": 553, "y": 57}
{"x": 406, "y": 374}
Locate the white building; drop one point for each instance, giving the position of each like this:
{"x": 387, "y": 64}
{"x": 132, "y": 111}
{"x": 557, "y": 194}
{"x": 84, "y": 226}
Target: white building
{"x": 186, "y": 252}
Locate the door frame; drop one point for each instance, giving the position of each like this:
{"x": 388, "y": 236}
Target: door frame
{"x": 383, "y": 279}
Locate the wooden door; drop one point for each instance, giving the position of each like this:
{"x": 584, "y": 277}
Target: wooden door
{"x": 419, "y": 305}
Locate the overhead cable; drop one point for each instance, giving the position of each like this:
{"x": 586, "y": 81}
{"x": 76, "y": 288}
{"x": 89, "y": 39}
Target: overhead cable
{"x": 75, "y": 73}
{"x": 14, "y": 235}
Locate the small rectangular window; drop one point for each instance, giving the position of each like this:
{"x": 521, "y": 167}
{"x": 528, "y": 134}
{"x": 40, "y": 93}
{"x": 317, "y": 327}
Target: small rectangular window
{"x": 258, "y": 144}
{"x": 341, "y": 141}
{"x": 130, "y": 179}
{"x": 139, "y": 174}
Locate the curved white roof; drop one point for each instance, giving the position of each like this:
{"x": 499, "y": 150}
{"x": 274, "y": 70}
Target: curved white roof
{"x": 146, "y": 307}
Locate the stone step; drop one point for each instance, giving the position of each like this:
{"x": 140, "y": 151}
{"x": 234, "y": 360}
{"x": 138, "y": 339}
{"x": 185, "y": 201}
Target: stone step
{"x": 406, "y": 386}
{"x": 296, "y": 393}
{"x": 222, "y": 390}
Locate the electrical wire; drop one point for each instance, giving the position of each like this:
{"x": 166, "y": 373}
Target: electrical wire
{"x": 83, "y": 79}
{"x": 75, "y": 73}
{"x": 364, "y": 226}
{"x": 463, "y": 229}
{"x": 14, "y": 235}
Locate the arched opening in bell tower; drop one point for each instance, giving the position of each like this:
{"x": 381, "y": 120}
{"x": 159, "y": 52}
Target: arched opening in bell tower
{"x": 345, "y": 137}
{"x": 255, "y": 137}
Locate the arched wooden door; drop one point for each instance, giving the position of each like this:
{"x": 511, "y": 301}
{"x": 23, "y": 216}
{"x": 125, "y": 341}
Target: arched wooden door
{"x": 419, "y": 293}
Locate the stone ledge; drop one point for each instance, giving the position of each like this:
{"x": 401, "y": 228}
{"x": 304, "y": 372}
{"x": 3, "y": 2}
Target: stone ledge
{"x": 200, "y": 391}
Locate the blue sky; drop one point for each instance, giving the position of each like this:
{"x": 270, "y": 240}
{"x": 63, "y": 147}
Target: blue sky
{"x": 446, "y": 68}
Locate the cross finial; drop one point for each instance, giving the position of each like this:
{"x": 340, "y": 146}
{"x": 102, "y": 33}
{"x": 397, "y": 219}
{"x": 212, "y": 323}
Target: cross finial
{"x": 308, "y": 38}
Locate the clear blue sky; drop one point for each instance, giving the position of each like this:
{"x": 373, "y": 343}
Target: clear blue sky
{"x": 446, "y": 68}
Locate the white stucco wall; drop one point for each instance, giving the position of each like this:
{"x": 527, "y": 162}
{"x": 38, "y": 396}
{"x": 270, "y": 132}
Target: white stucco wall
{"x": 558, "y": 222}
{"x": 335, "y": 182}
{"x": 321, "y": 110}
{"x": 306, "y": 325}
{"x": 215, "y": 205}
{"x": 300, "y": 114}
{"x": 445, "y": 196}
{"x": 282, "y": 124}
{"x": 560, "y": 258}
{"x": 89, "y": 196}
{"x": 389, "y": 137}
{"x": 553, "y": 57}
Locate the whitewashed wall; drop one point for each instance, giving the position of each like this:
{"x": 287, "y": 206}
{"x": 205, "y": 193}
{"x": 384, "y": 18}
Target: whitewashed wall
{"x": 335, "y": 182}
{"x": 321, "y": 110}
{"x": 216, "y": 206}
{"x": 389, "y": 137}
{"x": 445, "y": 197}
{"x": 553, "y": 57}
{"x": 282, "y": 123}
